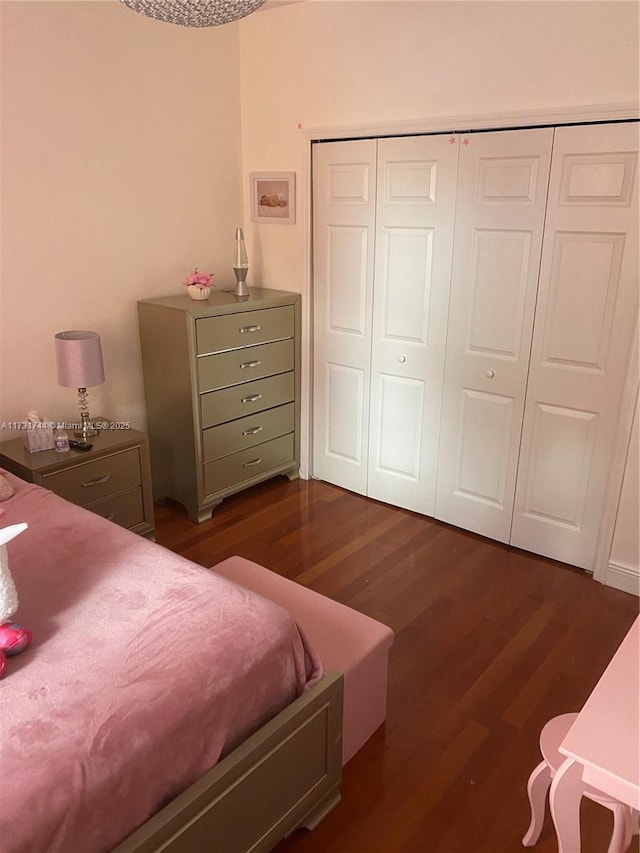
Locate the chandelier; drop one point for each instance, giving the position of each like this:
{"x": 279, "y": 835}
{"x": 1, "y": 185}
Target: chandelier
{"x": 195, "y": 13}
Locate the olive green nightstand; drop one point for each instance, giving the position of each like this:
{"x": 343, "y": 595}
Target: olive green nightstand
{"x": 112, "y": 479}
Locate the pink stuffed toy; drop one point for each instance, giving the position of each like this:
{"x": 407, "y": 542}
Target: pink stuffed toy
{"x": 14, "y": 638}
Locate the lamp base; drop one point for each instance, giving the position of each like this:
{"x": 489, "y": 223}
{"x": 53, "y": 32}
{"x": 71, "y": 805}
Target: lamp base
{"x": 87, "y": 430}
{"x": 85, "y": 433}
{"x": 241, "y": 279}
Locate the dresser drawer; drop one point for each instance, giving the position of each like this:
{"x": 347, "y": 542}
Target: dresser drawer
{"x": 246, "y": 432}
{"x": 216, "y": 334}
{"x": 85, "y": 483}
{"x": 217, "y": 407}
{"x": 126, "y": 509}
{"x": 243, "y": 365}
{"x": 249, "y": 463}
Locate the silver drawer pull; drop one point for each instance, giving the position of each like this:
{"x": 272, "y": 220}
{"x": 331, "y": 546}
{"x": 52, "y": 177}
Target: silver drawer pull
{"x": 251, "y": 399}
{"x": 253, "y": 431}
{"x": 249, "y": 329}
{"x": 97, "y": 482}
{"x": 253, "y": 462}
{"x": 251, "y": 364}
{"x": 108, "y": 517}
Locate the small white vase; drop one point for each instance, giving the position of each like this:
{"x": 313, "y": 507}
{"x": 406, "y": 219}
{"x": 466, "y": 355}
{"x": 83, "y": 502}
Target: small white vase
{"x": 197, "y": 292}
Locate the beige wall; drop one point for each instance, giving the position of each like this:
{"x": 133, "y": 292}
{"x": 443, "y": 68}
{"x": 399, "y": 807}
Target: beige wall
{"x": 334, "y": 64}
{"x": 120, "y": 172}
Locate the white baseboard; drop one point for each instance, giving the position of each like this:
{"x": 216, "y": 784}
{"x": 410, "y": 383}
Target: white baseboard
{"x": 624, "y": 577}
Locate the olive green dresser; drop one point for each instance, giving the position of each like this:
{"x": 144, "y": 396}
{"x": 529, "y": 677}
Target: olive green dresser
{"x": 221, "y": 380}
{"x": 112, "y": 479}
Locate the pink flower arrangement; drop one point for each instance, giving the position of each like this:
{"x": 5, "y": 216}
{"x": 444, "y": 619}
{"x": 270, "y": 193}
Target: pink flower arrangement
{"x": 200, "y": 279}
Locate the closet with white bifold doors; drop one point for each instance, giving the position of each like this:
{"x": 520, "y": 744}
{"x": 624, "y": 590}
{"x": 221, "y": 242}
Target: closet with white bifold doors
{"x": 383, "y": 233}
{"x": 475, "y": 297}
{"x": 586, "y": 314}
{"x": 500, "y": 208}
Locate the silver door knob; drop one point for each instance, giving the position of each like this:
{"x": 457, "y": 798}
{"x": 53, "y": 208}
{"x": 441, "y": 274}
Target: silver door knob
{"x": 489, "y": 374}
{"x": 402, "y": 359}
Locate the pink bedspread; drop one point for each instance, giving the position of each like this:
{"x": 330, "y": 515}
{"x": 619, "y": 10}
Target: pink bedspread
{"x": 145, "y": 669}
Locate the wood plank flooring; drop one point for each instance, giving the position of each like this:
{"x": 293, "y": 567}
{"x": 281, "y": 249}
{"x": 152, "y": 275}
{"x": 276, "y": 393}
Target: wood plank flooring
{"x": 490, "y": 643}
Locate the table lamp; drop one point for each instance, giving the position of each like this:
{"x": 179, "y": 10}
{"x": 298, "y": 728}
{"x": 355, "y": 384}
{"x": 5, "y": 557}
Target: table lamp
{"x": 79, "y": 362}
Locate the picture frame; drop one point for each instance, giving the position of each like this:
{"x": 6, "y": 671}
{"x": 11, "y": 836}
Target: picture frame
{"x": 273, "y": 197}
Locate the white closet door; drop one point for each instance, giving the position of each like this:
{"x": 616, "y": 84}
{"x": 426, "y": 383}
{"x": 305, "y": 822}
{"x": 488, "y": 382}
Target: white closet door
{"x": 502, "y": 188}
{"x": 344, "y": 184}
{"x": 587, "y": 307}
{"x": 414, "y": 241}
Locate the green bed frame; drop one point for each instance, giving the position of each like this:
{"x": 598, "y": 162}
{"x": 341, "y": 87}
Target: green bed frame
{"x": 286, "y": 775}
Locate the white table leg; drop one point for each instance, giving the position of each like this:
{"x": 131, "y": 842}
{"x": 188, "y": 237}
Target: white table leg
{"x": 564, "y": 798}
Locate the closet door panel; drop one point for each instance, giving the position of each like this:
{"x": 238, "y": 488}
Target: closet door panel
{"x": 562, "y": 449}
{"x": 346, "y": 261}
{"x": 585, "y": 273}
{"x": 414, "y": 240}
{"x": 502, "y": 188}
{"x": 587, "y": 308}
{"x": 344, "y": 396}
{"x": 344, "y": 180}
{"x": 483, "y": 450}
{"x": 398, "y": 430}
{"x": 499, "y": 286}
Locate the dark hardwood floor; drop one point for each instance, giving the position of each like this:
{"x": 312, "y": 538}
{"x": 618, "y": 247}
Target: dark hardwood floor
{"x": 490, "y": 642}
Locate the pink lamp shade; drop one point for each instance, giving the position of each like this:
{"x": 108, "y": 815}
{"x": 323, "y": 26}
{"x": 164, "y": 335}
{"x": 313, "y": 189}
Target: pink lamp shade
{"x": 79, "y": 359}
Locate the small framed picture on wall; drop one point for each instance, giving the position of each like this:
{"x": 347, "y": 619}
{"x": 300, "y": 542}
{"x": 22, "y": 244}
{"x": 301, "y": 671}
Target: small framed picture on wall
{"x": 273, "y": 197}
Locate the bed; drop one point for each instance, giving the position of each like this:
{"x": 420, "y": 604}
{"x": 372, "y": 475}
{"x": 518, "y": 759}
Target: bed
{"x": 160, "y": 706}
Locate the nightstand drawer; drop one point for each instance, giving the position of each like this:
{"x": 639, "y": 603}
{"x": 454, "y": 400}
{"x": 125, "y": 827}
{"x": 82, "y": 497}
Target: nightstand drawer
{"x": 249, "y": 463}
{"x": 217, "y": 407}
{"x": 246, "y": 432}
{"x": 243, "y": 365}
{"x": 126, "y": 510}
{"x": 216, "y": 334}
{"x": 85, "y": 483}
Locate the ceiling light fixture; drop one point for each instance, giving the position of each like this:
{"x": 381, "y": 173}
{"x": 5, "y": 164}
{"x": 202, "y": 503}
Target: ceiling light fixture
{"x": 195, "y": 13}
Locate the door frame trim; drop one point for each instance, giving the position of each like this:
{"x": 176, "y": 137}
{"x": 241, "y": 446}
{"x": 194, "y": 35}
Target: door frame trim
{"x": 515, "y": 119}
{"x": 618, "y": 463}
